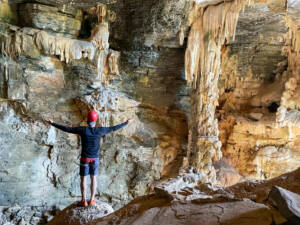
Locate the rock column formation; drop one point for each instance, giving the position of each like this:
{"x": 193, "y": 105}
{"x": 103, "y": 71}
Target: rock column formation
{"x": 211, "y": 27}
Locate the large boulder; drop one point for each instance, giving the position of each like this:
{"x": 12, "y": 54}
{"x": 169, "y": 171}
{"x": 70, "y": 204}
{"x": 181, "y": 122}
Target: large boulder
{"x": 74, "y": 215}
{"x": 287, "y": 202}
{"x": 158, "y": 209}
{"x": 155, "y": 211}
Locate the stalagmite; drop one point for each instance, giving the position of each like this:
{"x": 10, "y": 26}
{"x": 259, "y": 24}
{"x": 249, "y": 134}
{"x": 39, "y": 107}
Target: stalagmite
{"x": 210, "y": 29}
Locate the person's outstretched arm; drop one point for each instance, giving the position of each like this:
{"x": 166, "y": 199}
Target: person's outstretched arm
{"x": 72, "y": 130}
{"x": 107, "y": 130}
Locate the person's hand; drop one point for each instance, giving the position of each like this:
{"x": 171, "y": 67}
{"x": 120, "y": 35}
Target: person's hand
{"x": 129, "y": 120}
{"x": 48, "y": 121}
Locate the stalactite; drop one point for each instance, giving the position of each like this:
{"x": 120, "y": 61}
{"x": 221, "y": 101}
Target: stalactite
{"x": 210, "y": 28}
{"x": 67, "y": 49}
{"x": 4, "y": 75}
{"x": 16, "y": 41}
{"x": 112, "y": 62}
{"x": 181, "y": 36}
{"x": 12, "y": 44}
{"x": 95, "y": 48}
{"x": 99, "y": 38}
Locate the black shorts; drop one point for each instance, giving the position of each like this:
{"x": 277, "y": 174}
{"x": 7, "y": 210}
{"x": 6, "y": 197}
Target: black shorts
{"x": 90, "y": 168}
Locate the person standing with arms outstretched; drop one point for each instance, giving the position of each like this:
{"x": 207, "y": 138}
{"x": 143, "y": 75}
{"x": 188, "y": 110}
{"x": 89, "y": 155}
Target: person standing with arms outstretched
{"x": 90, "y": 142}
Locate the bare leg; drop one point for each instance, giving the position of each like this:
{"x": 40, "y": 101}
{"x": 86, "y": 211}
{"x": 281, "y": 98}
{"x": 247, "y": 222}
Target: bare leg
{"x": 83, "y": 187}
{"x": 93, "y": 186}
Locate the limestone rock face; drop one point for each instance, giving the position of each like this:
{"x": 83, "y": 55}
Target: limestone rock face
{"x": 226, "y": 174}
{"x": 150, "y": 23}
{"x": 26, "y": 215}
{"x": 49, "y": 170}
{"x": 256, "y": 86}
{"x": 48, "y": 72}
{"x": 259, "y": 149}
{"x": 256, "y": 50}
{"x": 40, "y": 16}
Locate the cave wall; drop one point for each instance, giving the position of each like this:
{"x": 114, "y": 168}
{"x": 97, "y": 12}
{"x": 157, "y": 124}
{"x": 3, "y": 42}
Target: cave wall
{"x": 201, "y": 79}
{"x": 257, "y": 137}
{"x": 60, "y": 69}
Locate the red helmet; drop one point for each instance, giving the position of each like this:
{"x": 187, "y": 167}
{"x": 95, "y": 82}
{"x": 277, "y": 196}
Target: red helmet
{"x": 92, "y": 116}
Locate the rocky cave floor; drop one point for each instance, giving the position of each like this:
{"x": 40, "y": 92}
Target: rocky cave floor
{"x": 182, "y": 201}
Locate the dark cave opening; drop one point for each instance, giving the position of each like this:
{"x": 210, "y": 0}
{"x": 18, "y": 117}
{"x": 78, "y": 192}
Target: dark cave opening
{"x": 273, "y": 107}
